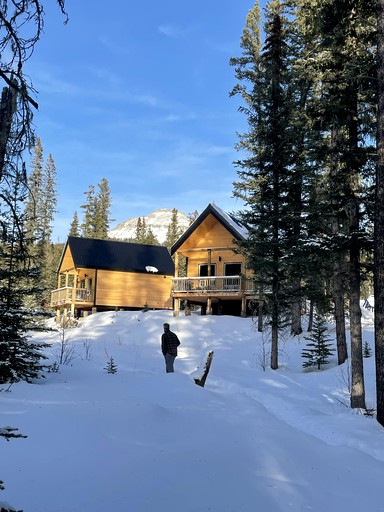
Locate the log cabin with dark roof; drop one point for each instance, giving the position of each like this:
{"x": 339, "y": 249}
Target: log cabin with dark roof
{"x": 217, "y": 277}
{"x": 101, "y": 275}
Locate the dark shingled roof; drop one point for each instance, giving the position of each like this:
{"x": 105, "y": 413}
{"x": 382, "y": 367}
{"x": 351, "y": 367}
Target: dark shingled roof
{"x": 123, "y": 256}
{"x": 236, "y": 229}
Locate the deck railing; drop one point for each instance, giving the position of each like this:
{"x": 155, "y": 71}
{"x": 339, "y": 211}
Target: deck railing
{"x": 68, "y": 295}
{"x": 213, "y": 284}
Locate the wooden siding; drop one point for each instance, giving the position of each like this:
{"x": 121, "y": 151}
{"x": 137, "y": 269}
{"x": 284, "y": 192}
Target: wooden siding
{"x": 219, "y": 257}
{"x": 67, "y": 262}
{"x": 210, "y": 233}
{"x": 124, "y": 289}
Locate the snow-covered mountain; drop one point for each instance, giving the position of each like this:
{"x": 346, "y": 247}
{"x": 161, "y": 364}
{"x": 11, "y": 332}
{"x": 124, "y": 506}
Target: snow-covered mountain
{"x": 158, "y": 221}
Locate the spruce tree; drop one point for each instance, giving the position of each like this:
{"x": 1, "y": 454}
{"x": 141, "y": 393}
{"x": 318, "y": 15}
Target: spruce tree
{"x": 150, "y": 238}
{"x": 97, "y": 219}
{"x": 111, "y": 366}
{"x": 174, "y": 231}
{"x": 319, "y": 346}
{"x": 39, "y": 215}
{"x": 102, "y": 210}
{"x": 90, "y": 207}
{"x": 140, "y": 231}
{"x": 20, "y": 359}
{"x": 74, "y": 229}
{"x": 267, "y": 176}
{"x": 343, "y": 59}
{"x": 379, "y": 220}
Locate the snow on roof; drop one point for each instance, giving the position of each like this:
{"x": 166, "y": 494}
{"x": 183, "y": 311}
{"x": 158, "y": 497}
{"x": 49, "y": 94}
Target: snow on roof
{"x": 242, "y": 230}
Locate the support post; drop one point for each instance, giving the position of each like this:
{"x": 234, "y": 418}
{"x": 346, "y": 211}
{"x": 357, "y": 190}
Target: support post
{"x": 176, "y": 307}
{"x": 200, "y": 381}
{"x": 243, "y": 306}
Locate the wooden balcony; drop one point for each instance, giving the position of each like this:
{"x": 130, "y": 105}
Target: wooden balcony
{"x": 217, "y": 286}
{"x": 67, "y": 296}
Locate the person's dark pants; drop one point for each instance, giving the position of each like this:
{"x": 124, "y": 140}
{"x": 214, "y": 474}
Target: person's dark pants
{"x": 169, "y": 360}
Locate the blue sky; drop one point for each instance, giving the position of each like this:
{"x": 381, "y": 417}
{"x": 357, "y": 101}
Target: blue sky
{"x": 138, "y": 93}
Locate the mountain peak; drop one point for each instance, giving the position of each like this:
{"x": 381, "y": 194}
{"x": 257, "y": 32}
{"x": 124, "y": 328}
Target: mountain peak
{"x": 158, "y": 221}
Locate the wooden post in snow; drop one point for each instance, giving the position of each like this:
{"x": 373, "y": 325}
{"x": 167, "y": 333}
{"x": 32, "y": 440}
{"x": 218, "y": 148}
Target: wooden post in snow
{"x": 200, "y": 381}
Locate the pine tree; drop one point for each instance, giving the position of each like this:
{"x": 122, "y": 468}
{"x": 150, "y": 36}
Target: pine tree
{"x": 150, "y": 238}
{"x": 111, "y": 366}
{"x": 74, "y": 229}
{"x": 379, "y": 220}
{"x": 90, "y": 207}
{"x": 318, "y": 348}
{"x": 144, "y": 234}
{"x": 174, "y": 231}
{"x": 20, "y": 359}
{"x": 102, "y": 213}
{"x": 39, "y": 213}
{"x": 140, "y": 231}
{"x": 33, "y": 215}
{"x": 367, "y": 351}
{"x": 267, "y": 174}
{"x": 49, "y": 199}
{"x": 97, "y": 211}
{"x": 343, "y": 58}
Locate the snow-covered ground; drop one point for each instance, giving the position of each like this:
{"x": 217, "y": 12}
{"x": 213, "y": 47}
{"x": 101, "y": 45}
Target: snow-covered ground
{"x": 141, "y": 440}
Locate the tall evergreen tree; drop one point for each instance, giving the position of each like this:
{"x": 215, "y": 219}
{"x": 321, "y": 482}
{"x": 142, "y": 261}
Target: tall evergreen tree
{"x": 35, "y": 185}
{"x": 103, "y": 205}
{"x": 49, "y": 206}
{"x": 174, "y": 231}
{"x": 20, "y": 359}
{"x": 343, "y": 58}
{"x": 74, "y": 229}
{"x": 97, "y": 219}
{"x": 267, "y": 182}
{"x": 88, "y": 226}
{"x": 379, "y": 220}
{"x": 140, "y": 231}
{"x": 39, "y": 212}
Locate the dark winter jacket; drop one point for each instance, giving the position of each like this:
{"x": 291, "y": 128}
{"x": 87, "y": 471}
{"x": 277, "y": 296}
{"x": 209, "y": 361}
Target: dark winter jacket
{"x": 169, "y": 343}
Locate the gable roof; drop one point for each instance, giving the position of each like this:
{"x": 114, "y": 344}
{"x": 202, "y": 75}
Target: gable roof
{"x": 116, "y": 255}
{"x": 237, "y": 230}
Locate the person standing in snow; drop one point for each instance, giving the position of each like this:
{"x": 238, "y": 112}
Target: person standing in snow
{"x": 169, "y": 344}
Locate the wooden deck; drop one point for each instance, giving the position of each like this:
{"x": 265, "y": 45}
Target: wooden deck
{"x": 67, "y": 296}
{"x": 218, "y": 286}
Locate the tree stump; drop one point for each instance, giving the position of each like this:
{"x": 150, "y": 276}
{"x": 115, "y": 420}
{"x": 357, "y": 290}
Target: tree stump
{"x": 200, "y": 381}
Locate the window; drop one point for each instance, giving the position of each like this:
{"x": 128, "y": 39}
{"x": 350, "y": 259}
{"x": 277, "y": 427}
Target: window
{"x": 203, "y": 270}
{"x": 232, "y": 269}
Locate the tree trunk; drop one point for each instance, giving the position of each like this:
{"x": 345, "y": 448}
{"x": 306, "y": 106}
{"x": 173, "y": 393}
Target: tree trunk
{"x": 310, "y": 315}
{"x": 357, "y": 366}
{"x": 338, "y": 299}
{"x": 296, "y": 327}
{"x": 260, "y": 326}
{"x": 338, "y": 263}
{"x": 379, "y": 221}
{"x": 274, "y": 345}
{"x": 7, "y": 109}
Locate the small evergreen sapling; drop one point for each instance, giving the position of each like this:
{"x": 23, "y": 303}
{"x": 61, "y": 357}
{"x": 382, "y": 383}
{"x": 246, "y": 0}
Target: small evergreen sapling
{"x": 111, "y": 366}
{"x": 367, "y": 351}
{"x": 318, "y": 347}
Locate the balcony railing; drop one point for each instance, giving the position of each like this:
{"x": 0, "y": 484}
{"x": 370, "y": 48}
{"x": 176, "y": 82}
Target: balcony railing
{"x": 68, "y": 295}
{"x": 213, "y": 284}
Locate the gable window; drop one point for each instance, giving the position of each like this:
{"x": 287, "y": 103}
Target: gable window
{"x": 232, "y": 269}
{"x": 203, "y": 270}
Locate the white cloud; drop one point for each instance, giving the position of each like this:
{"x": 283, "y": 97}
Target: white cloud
{"x": 171, "y": 30}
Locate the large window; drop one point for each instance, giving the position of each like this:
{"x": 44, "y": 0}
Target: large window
{"x": 203, "y": 270}
{"x": 232, "y": 269}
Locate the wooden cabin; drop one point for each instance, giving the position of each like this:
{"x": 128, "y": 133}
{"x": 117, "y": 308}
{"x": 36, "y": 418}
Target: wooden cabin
{"x": 217, "y": 278}
{"x": 99, "y": 275}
